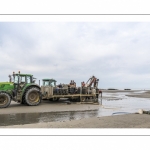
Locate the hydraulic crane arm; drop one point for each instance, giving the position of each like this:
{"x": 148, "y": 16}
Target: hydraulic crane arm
{"x": 93, "y": 80}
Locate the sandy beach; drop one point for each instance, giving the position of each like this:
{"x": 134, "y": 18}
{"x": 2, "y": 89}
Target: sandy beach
{"x": 131, "y": 120}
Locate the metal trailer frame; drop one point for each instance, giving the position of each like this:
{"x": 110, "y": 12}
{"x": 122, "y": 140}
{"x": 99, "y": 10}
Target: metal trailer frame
{"x": 82, "y": 98}
{"x": 87, "y": 94}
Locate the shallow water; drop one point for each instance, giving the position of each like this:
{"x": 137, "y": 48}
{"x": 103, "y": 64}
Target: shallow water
{"x": 122, "y": 103}
{"x": 113, "y": 104}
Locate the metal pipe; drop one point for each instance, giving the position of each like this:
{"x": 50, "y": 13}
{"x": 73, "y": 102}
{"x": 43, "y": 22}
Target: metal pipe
{"x": 80, "y": 91}
{"x": 10, "y": 79}
{"x": 81, "y": 88}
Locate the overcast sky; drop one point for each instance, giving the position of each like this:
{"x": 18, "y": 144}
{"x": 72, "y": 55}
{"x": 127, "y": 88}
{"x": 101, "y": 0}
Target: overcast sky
{"x": 116, "y": 53}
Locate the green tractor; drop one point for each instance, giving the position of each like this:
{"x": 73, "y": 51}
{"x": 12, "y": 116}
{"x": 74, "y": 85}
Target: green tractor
{"x": 21, "y": 88}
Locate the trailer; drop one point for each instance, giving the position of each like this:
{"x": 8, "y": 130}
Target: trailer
{"x": 87, "y": 93}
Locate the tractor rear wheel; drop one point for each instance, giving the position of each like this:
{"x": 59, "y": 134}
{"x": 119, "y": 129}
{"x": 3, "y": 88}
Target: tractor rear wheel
{"x": 5, "y": 100}
{"x": 32, "y": 96}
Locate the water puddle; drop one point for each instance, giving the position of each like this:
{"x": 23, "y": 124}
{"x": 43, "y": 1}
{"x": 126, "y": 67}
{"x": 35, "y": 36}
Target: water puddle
{"x": 29, "y": 118}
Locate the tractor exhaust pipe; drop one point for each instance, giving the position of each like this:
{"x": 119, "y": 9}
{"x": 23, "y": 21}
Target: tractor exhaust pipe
{"x": 39, "y": 82}
{"x": 10, "y": 79}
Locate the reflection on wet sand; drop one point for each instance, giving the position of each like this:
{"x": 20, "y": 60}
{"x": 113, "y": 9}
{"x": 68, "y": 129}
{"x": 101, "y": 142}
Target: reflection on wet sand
{"x": 29, "y": 118}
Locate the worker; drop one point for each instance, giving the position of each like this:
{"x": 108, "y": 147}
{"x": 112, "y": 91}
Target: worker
{"x": 71, "y": 82}
{"x": 100, "y": 91}
{"x": 83, "y": 84}
{"x": 57, "y": 89}
{"x": 60, "y": 85}
{"x": 74, "y": 83}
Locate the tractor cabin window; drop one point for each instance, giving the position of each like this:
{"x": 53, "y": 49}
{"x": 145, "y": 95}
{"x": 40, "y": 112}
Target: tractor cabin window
{"x": 22, "y": 79}
{"x": 46, "y": 83}
{"x": 28, "y": 79}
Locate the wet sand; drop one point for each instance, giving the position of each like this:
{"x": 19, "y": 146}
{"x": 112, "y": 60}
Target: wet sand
{"x": 118, "y": 121}
{"x": 146, "y": 94}
{"x": 47, "y": 106}
{"x": 132, "y": 93}
{"x": 115, "y": 121}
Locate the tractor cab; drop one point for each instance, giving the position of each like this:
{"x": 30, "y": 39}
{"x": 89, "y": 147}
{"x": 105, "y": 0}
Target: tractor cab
{"x": 21, "y": 79}
{"x": 49, "y": 82}
{"x": 49, "y": 85}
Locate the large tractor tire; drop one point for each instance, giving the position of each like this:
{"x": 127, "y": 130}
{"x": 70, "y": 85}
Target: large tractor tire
{"x": 32, "y": 96}
{"x": 5, "y": 100}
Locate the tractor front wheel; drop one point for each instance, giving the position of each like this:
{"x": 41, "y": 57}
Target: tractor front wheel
{"x": 5, "y": 100}
{"x": 32, "y": 96}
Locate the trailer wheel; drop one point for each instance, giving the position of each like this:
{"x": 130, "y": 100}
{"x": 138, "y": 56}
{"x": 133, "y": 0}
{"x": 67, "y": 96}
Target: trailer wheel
{"x": 56, "y": 99}
{"x": 51, "y": 99}
{"x": 32, "y": 96}
{"x": 82, "y": 98}
{"x": 78, "y": 99}
{"x": 5, "y": 100}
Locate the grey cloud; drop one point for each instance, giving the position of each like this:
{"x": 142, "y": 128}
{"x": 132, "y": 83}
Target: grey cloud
{"x": 117, "y": 53}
